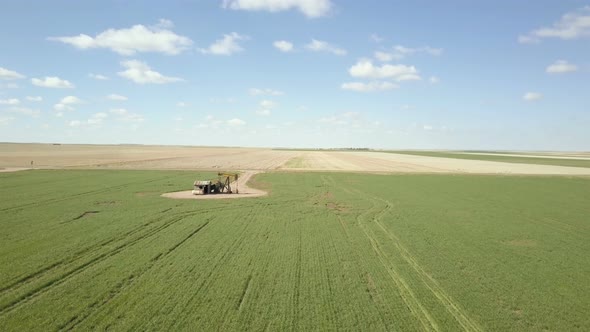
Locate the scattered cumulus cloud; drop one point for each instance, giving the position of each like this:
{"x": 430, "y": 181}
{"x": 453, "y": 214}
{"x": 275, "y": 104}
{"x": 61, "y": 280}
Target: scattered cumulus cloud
{"x": 386, "y": 57}
{"x": 283, "y": 46}
{"x": 265, "y": 107}
{"x": 140, "y": 73}
{"x": 98, "y": 77}
{"x": 6, "y": 74}
{"x": 129, "y": 41}
{"x": 369, "y": 87}
{"x": 11, "y": 101}
{"x": 227, "y": 45}
{"x": 52, "y": 82}
{"x": 263, "y": 112}
{"x": 309, "y": 8}
{"x": 24, "y": 111}
{"x": 561, "y": 67}
{"x": 365, "y": 69}
{"x": 124, "y": 115}
{"x": 267, "y": 92}
{"x": 75, "y": 123}
{"x": 235, "y": 122}
{"x": 71, "y": 100}
{"x": 572, "y": 25}
{"x": 35, "y": 98}
{"x": 399, "y": 52}
{"x": 532, "y": 96}
{"x": 97, "y": 119}
{"x": 376, "y": 38}
{"x": 66, "y": 103}
{"x": 116, "y": 97}
{"x": 322, "y": 46}
{"x": 434, "y": 80}
{"x": 181, "y": 104}
{"x": 4, "y": 120}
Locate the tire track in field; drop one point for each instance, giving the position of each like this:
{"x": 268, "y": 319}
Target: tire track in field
{"x": 433, "y": 286}
{"x": 97, "y": 306}
{"x": 53, "y": 282}
{"x": 329, "y": 181}
{"x": 20, "y": 282}
{"x": 97, "y": 191}
{"x": 424, "y": 317}
{"x": 207, "y": 280}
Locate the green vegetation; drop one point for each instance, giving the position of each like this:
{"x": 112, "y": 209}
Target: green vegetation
{"x": 325, "y": 251}
{"x": 296, "y": 162}
{"x": 505, "y": 159}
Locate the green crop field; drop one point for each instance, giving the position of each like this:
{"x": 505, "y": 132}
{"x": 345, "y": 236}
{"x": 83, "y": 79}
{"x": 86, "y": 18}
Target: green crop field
{"x": 500, "y": 158}
{"x": 324, "y": 251}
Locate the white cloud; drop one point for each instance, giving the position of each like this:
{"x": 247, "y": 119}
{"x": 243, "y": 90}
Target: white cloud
{"x": 6, "y": 74}
{"x": 116, "y": 97}
{"x": 59, "y": 114}
{"x": 66, "y": 103}
{"x": 126, "y": 116}
{"x": 98, "y": 77}
{"x": 70, "y": 100}
{"x": 560, "y": 67}
{"x": 35, "y": 98}
{"x": 129, "y": 41}
{"x": 235, "y": 122}
{"x": 97, "y": 118}
{"x": 386, "y": 57}
{"x": 310, "y": 8}
{"x": 268, "y": 104}
{"x": 263, "y": 112}
{"x": 369, "y": 87}
{"x": 425, "y": 49}
{"x": 139, "y": 72}
{"x": 322, "y": 46}
{"x": 52, "y": 82}
{"x": 228, "y": 45}
{"x": 24, "y": 111}
{"x": 75, "y": 123}
{"x": 365, "y": 69}
{"x": 572, "y": 25}
{"x": 4, "y": 120}
{"x": 376, "y": 38}
{"x": 434, "y": 80}
{"x": 181, "y": 104}
{"x": 283, "y": 45}
{"x": 62, "y": 107}
{"x": 11, "y": 101}
{"x": 532, "y": 96}
{"x": 427, "y": 127}
{"x": 265, "y": 107}
{"x": 269, "y": 92}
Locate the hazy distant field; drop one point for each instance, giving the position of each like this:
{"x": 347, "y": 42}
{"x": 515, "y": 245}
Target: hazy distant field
{"x": 329, "y": 251}
{"x": 550, "y": 159}
{"x": 215, "y": 158}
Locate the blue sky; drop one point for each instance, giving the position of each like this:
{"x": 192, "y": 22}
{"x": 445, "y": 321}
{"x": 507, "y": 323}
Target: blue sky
{"x": 298, "y": 73}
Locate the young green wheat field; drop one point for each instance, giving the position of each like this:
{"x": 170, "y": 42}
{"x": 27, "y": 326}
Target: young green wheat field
{"x": 92, "y": 249}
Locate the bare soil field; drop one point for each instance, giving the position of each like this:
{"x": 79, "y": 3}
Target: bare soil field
{"x": 258, "y": 159}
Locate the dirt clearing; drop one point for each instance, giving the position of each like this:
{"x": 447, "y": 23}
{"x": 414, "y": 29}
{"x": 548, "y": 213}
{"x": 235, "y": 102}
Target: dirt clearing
{"x": 242, "y": 185}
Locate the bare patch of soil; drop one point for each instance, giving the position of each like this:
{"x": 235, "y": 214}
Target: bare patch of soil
{"x": 242, "y": 185}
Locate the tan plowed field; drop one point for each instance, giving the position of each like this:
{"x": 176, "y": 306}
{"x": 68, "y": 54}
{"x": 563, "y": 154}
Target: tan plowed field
{"x": 215, "y": 158}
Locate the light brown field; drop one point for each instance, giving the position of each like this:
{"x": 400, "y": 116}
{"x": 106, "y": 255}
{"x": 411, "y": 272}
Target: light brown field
{"x": 258, "y": 159}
